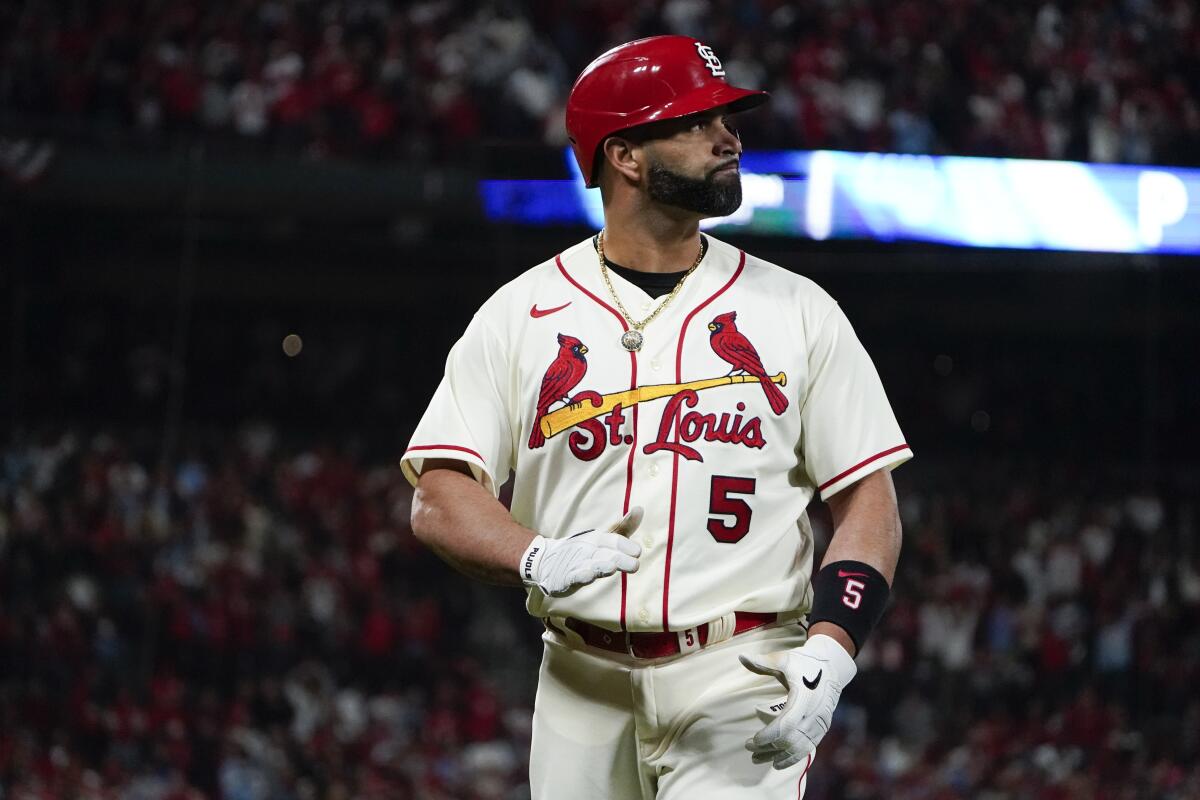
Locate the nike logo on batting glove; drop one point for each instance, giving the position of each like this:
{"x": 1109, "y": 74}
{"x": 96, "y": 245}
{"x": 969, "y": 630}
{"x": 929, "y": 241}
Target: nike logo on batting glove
{"x": 795, "y": 733}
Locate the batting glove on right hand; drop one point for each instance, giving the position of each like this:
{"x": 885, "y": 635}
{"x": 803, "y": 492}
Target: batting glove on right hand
{"x": 814, "y": 675}
{"x": 560, "y": 566}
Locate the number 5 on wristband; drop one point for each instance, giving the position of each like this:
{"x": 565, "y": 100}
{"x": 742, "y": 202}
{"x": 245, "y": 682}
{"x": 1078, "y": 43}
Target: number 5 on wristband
{"x": 851, "y": 595}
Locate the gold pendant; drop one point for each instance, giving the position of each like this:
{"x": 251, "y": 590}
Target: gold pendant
{"x": 632, "y": 340}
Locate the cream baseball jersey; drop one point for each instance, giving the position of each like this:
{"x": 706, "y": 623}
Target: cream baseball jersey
{"x": 751, "y": 393}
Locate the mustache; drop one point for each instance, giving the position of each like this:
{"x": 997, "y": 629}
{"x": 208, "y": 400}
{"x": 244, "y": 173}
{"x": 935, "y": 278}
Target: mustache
{"x": 729, "y": 162}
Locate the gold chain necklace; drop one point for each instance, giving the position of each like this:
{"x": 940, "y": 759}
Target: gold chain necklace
{"x": 633, "y": 339}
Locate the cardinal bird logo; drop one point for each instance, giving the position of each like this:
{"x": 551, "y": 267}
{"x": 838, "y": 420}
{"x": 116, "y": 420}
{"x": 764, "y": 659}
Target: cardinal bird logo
{"x": 564, "y": 374}
{"x": 734, "y": 348}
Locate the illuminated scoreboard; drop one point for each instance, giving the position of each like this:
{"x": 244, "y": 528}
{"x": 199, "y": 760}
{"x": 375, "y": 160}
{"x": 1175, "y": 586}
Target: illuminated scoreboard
{"x": 972, "y": 202}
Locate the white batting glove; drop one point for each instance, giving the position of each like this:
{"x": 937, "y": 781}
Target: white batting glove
{"x": 560, "y": 566}
{"x": 814, "y": 676}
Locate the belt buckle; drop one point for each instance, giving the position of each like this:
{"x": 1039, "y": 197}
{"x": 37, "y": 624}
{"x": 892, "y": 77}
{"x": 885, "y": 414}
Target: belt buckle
{"x": 607, "y": 637}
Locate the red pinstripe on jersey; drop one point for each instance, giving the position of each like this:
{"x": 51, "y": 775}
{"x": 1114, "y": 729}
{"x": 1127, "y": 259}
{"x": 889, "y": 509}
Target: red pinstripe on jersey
{"x": 675, "y": 457}
{"x": 800, "y": 783}
{"x": 632, "y": 385}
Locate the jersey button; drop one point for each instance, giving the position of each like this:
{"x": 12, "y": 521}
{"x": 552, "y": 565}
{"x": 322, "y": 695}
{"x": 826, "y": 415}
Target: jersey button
{"x": 653, "y": 470}
{"x": 655, "y": 364}
{"x": 644, "y": 615}
{"x": 648, "y": 540}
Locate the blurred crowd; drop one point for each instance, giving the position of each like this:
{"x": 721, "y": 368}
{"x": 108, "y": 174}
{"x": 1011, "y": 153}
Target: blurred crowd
{"x": 252, "y": 619}
{"x": 1042, "y": 644}
{"x": 1071, "y": 79}
{"x": 245, "y": 623}
{"x": 239, "y": 610}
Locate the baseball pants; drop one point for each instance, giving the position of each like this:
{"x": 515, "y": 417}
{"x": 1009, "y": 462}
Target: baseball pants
{"x": 611, "y": 727}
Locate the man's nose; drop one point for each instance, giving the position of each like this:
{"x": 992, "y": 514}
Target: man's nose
{"x": 728, "y": 142}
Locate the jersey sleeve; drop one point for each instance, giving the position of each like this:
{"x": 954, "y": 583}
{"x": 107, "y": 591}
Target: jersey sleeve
{"x": 848, "y": 429}
{"x": 468, "y": 418}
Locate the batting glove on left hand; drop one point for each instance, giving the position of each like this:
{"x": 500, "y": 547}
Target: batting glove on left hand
{"x": 814, "y": 676}
{"x": 560, "y": 566}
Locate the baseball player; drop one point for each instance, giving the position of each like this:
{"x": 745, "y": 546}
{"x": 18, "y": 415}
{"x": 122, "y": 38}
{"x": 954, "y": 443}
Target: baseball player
{"x": 669, "y": 405}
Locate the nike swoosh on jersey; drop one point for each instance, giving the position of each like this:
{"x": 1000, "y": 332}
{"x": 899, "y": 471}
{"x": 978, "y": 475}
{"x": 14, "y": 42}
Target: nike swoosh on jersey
{"x": 844, "y": 574}
{"x": 536, "y": 312}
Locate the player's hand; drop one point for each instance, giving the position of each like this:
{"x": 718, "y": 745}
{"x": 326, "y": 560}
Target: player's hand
{"x": 560, "y": 566}
{"x": 814, "y": 676}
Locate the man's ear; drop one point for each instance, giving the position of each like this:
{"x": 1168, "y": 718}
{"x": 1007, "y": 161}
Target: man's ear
{"x": 623, "y": 157}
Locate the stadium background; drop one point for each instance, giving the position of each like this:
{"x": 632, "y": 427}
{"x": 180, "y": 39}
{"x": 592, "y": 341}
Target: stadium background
{"x": 208, "y": 585}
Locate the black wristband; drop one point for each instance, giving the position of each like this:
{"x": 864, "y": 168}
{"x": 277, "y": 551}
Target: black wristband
{"x": 851, "y": 595}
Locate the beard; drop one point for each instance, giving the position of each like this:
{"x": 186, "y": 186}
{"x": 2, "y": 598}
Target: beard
{"x": 713, "y": 195}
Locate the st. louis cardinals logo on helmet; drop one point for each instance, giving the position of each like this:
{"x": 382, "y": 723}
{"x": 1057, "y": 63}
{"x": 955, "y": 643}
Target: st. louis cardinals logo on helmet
{"x": 710, "y": 60}
{"x": 597, "y": 420}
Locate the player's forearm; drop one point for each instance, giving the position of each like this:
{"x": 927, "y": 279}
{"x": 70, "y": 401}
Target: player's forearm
{"x": 866, "y": 524}
{"x": 866, "y": 528}
{"x": 458, "y": 519}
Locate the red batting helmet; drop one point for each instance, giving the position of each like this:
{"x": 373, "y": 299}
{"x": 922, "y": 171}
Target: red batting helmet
{"x": 662, "y": 77}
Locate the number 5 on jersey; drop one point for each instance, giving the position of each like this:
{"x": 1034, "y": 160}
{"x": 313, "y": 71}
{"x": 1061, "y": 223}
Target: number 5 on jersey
{"x": 719, "y": 502}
